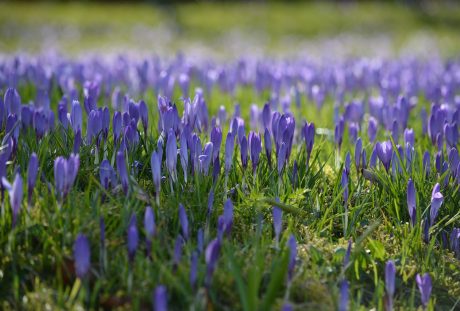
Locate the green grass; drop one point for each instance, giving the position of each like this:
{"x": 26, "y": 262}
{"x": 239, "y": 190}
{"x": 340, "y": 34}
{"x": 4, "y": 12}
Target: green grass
{"x": 22, "y": 25}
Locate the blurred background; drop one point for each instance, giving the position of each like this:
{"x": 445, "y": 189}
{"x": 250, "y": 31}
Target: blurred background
{"x": 229, "y": 29}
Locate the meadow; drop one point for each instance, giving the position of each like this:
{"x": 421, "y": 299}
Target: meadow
{"x": 171, "y": 182}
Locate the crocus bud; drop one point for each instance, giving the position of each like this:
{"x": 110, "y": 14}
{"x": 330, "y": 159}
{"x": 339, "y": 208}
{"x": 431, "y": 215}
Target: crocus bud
{"x": 82, "y": 256}
{"x": 193, "y": 268}
{"x": 206, "y": 158}
{"x": 344, "y": 185}
{"x": 15, "y": 192}
{"x": 411, "y": 202}
{"x": 116, "y": 125}
{"x": 338, "y": 132}
{"x": 160, "y": 299}
{"x": 229, "y": 148}
{"x": 255, "y": 147}
{"x": 177, "y": 250}
{"x": 372, "y": 129}
{"x": 210, "y": 202}
{"x": 144, "y": 114}
{"x": 409, "y": 136}
{"x": 277, "y": 220}
{"x": 133, "y": 238}
{"x": 390, "y": 272}
{"x": 183, "y": 222}
{"x": 76, "y": 116}
{"x": 155, "y": 164}
{"x": 344, "y": 299}
{"x": 12, "y": 102}
{"x": 122, "y": 171}
{"x": 183, "y": 152}
{"x": 32, "y": 171}
{"x": 107, "y": 175}
{"x": 424, "y": 286}
{"x": 228, "y": 217}
{"x": 308, "y": 132}
{"x": 358, "y": 153}
{"x": 211, "y": 257}
{"x": 244, "y": 152}
{"x": 171, "y": 155}
{"x": 292, "y": 245}
{"x": 216, "y": 139}
{"x": 149, "y": 223}
{"x": 268, "y": 146}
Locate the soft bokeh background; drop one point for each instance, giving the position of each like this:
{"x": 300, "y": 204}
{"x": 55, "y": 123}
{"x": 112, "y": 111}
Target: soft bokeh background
{"x": 233, "y": 28}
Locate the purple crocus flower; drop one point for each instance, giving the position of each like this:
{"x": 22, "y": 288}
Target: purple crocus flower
{"x": 436, "y": 201}
{"x": 229, "y": 147}
{"x": 65, "y": 173}
{"x": 107, "y": 174}
{"x": 177, "y": 250}
{"x": 372, "y": 129}
{"x": 353, "y": 130}
{"x": 149, "y": 223}
{"x": 244, "y": 152}
{"x": 395, "y": 131}
{"x": 385, "y": 152}
{"x": 183, "y": 152}
{"x": 344, "y": 295}
{"x": 76, "y": 116}
{"x": 277, "y": 221}
{"x": 82, "y": 256}
{"x": 122, "y": 171}
{"x": 308, "y": 132}
{"x": 409, "y": 137}
{"x": 426, "y": 163}
{"x": 210, "y": 202}
{"x": 206, "y": 158}
{"x": 292, "y": 245}
{"x": 160, "y": 298}
{"x": 255, "y": 148}
{"x": 228, "y": 217}
{"x": 133, "y": 237}
{"x": 156, "y": 171}
{"x": 116, "y": 125}
{"x": 32, "y": 172}
{"x": 424, "y": 286}
{"x": 216, "y": 139}
{"x": 184, "y": 222}
{"x": 12, "y": 102}
{"x": 390, "y": 273}
{"x": 358, "y": 153}
{"x": 16, "y": 193}
{"x": 200, "y": 240}
{"x": 144, "y": 114}
{"x": 364, "y": 159}
{"x": 344, "y": 185}
{"x": 338, "y": 132}
{"x": 171, "y": 155}
{"x": 411, "y": 202}
{"x": 347, "y": 164}
{"x": 211, "y": 257}
{"x": 268, "y": 146}
{"x": 451, "y": 134}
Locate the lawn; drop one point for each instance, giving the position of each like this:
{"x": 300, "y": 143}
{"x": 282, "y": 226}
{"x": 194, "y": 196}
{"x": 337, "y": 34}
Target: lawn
{"x": 227, "y": 182}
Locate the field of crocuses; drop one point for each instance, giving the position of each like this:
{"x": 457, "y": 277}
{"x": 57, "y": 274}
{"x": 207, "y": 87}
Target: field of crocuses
{"x": 253, "y": 184}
